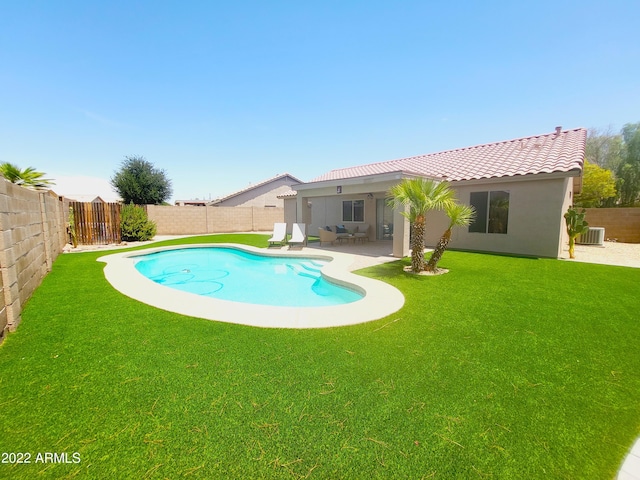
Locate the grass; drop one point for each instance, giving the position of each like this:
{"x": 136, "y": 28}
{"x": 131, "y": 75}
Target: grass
{"x": 503, "y": 368}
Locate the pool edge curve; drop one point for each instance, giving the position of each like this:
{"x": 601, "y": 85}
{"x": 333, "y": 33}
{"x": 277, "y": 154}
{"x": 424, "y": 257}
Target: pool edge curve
{"x": 380, "y": 300}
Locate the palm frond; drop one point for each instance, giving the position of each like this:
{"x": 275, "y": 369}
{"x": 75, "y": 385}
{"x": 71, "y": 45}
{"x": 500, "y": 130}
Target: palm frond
{"x": 28, "y": 177}
{"x": 460, "y": 215}
{"x": 421, "y": 195}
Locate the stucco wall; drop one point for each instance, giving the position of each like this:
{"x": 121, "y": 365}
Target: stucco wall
{"x": 327, "y": 211}
{"x": 173, "y": 220}
{"x": 265, "y": 195}
{"x": 621, "y": 224}
{"x": 536, "y": 208}
{"x": 33, "y": 234}
{"x": 260, "y": 197}
{"x": 535, "y": 225}
{"x": 291, "y": 213}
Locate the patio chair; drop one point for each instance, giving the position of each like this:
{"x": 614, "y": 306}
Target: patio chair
{"x": 299, "y": 235}
{"x": 362, "y": 234}
{"x": 279, "y": 234}
{"x": 326, "y": 235}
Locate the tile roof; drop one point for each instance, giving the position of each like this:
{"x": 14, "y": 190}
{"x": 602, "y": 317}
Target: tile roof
{"x": 560, "y": 151}
{"x": 288, "y": 193}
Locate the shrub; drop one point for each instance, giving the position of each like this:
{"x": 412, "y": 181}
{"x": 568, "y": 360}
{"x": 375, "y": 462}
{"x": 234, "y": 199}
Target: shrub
{"x": 135, "y": 225}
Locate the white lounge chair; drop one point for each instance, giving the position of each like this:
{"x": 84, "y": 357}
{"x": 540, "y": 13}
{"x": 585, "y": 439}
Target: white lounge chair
{"x": 279, "y": 234}
{"x": 298, "y": 235}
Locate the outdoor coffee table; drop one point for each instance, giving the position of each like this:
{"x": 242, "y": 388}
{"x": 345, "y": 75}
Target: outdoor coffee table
{"x": 349, "y": 238}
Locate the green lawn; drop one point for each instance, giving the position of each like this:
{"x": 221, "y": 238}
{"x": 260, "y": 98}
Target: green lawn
{"x": 503, "y": 368}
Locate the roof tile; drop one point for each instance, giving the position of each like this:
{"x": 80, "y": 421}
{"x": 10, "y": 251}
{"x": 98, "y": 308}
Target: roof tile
{"x": 549, "y": 153}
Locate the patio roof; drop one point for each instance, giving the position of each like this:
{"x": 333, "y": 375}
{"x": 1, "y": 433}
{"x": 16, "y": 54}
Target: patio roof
{"x": 557, "y": 152}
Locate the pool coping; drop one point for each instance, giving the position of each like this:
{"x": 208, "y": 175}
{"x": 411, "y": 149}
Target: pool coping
{"x": 380, "y": 300}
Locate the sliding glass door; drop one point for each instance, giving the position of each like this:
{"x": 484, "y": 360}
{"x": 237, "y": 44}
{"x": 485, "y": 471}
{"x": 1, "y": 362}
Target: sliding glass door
{"x": 384, "y": 220}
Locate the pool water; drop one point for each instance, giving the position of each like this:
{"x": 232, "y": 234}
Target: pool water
{"x": 240, "y": 276}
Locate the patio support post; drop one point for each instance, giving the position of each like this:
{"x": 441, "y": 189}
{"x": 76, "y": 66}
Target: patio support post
{"x": 401, "y": 230}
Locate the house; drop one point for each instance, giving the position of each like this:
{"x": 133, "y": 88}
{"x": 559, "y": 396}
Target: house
{"x": 262, "y": 194}
{"x": 85, "y": 198}
{"x": 520, "y": 189}
{"x": 191, "y": 203}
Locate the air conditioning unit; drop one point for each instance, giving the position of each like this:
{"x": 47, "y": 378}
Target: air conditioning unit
{"x": 593, "y": 236}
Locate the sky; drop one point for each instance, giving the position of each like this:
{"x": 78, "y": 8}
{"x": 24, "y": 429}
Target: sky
{"x": 221, "y": 95}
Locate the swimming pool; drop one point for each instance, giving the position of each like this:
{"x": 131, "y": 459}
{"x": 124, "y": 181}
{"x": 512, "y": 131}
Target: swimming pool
{"x": 377, "y": 299}
{"x": 241, "y": 276}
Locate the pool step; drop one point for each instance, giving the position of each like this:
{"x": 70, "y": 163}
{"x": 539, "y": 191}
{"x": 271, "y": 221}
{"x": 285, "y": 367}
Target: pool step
{"x": 305, "y": 269}
{"x": 312, "y": 266}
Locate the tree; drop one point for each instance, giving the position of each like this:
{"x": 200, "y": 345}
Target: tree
{"x": 604, "y": 148}
{"x": 139, "y": 182}
{"x": 598, "y": 185}
{"x": 419, "y": 196}
{"x": 28, "y": 177}
{"x": 459, "y": 216}
{"x": 628, "y": 172}
{"x": 576, "y": 225}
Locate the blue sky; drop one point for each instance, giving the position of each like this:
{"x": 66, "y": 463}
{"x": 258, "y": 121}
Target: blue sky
{"x": 224, "y": 94}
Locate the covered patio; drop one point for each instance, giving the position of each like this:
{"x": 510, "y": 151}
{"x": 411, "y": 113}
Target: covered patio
{"x": 364, "y": 254}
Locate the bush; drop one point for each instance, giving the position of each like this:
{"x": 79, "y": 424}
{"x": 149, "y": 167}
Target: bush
{"x": 135, "y": 225}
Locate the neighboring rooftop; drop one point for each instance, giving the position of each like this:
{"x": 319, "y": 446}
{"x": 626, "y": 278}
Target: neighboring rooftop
{"x": 560, "y": 151}
{"x": 191, "y": 203}
{"x": 278, "y": 179}
{"x": 85, "y": 198}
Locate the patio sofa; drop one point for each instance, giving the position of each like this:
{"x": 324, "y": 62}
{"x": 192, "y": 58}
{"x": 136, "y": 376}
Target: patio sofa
{"x": 341, "y": 233}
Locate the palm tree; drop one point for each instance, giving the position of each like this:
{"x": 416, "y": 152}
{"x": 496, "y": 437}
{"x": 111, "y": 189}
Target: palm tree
{"x": 459, "y": 216}
{"x": 420, "y": 195}
{"x": 28, "y": 177}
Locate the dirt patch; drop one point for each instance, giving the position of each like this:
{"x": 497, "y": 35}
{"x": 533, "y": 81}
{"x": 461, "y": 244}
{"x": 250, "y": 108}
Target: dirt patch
{"x": 438, "y": 271}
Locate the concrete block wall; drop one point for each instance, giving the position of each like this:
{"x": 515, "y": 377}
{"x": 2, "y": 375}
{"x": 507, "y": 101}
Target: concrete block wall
{"x": 621, "y": 224}
{"x": 32, "y": 235}
{"x": 174, "y": 220}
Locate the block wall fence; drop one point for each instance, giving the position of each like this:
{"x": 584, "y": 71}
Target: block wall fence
{"x": 172, "y": 220}
{"x": 33, "y": 232}
{"x": 621, "y": 224}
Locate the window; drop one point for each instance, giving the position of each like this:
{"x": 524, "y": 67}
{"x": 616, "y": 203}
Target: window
{"x": 492, "y": 212}
{"x": 353, "y": 211}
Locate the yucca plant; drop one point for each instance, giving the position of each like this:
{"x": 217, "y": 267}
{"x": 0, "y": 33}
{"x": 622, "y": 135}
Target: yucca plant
{"x": 576, "y": 225}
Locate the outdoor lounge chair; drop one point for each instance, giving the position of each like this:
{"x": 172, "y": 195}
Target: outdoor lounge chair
{"x": 326, "y": 235}
{"x": 279, "y": 234}
{"x": 299, "y": 235}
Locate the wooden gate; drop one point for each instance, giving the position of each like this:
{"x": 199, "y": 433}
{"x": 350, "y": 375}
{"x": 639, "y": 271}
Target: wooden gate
{"x": 96, "y": 223}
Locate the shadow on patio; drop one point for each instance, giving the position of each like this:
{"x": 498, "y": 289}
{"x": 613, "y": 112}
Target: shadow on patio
{"x": 365, "y": 254}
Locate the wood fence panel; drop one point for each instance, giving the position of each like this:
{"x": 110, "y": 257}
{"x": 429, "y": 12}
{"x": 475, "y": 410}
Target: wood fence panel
{"x": 96, "y": 223}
